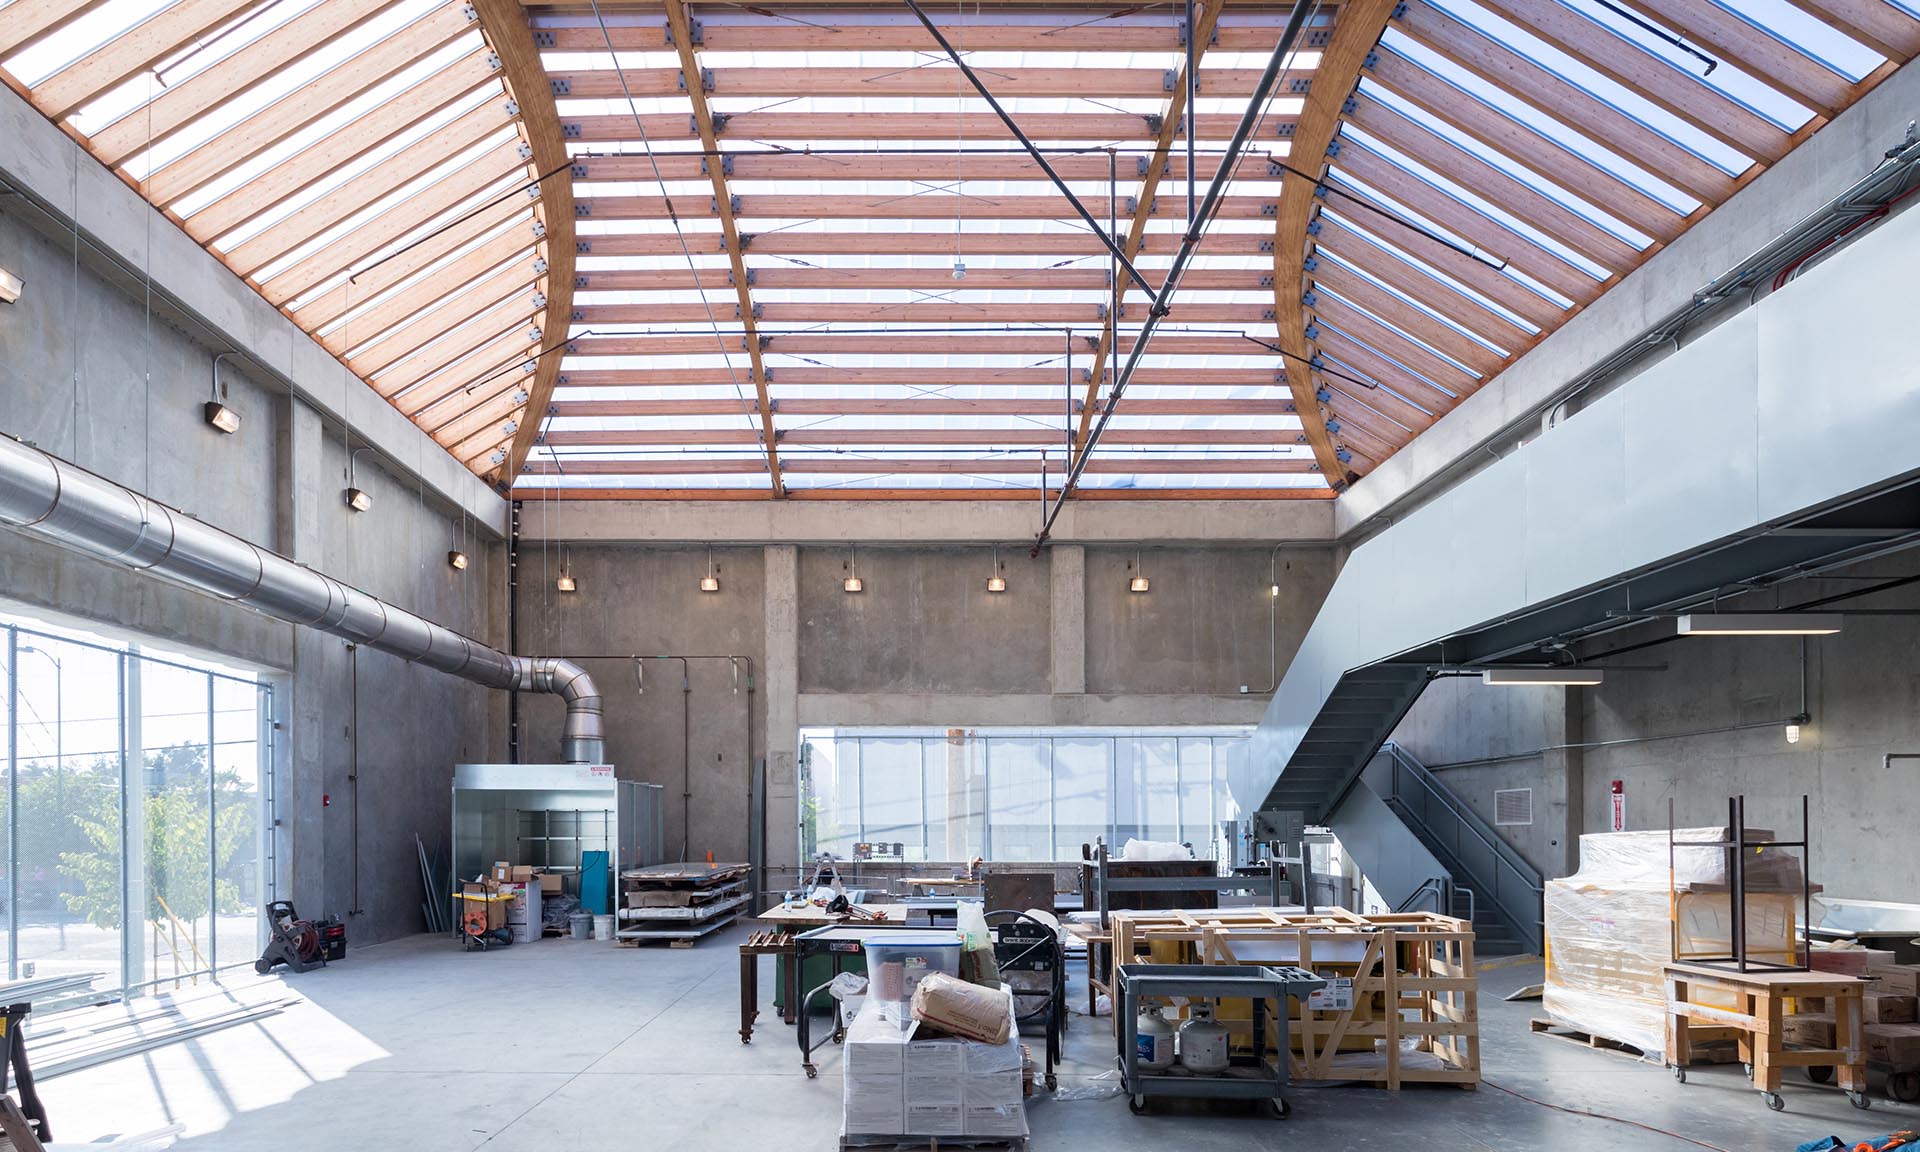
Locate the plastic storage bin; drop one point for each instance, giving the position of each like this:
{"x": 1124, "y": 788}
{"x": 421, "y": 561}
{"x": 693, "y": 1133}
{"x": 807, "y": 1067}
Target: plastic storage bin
{"x": 896, "y": 965}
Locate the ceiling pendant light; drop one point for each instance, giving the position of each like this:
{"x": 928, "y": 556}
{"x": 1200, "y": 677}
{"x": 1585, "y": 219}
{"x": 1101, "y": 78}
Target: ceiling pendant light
{"x": 1139, "y": 581}
{"x": 710, "y": 582}
{"x": 852, "y": 582}
{"x": 996, "y": 582}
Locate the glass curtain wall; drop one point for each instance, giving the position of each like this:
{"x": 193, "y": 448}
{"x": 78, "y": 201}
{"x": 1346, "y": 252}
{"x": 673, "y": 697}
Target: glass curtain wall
{"x": 134, "y": 811}
{"x": 1013, "y": 795}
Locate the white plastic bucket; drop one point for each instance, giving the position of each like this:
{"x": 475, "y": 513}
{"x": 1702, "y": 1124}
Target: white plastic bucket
{"x": 602, "y": 927}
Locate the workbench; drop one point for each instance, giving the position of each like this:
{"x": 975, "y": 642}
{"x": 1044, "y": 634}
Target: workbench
{"x": 1756, "y": 1023}
{"x": 780, "y": 917}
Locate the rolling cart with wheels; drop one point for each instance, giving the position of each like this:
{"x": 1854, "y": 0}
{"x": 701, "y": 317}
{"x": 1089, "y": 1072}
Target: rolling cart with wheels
{"x": 1259, "y": 1075}
{"x": 1760, "y": 998}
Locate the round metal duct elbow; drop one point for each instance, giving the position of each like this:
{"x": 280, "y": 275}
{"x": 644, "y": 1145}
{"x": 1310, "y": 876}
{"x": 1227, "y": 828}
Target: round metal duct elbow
{"x": 51, "y": 499}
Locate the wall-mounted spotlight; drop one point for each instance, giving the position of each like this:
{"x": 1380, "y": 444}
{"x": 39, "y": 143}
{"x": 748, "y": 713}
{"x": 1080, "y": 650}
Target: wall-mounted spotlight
{"x": 10, "y": 287}
{"x": 852, "y": 582}
{"x": 358, "y": 500}
{"x": 1139, "y": 582}
{"x": 711, "y": 581}
{"x": 457, "y": 560}
{"x": 222, "y": 417}
{"x": 996, "y": 582}
{"x": 566, "y": 583}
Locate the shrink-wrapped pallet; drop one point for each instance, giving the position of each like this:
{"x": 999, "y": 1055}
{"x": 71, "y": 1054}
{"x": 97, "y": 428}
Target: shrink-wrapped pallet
{"x": 1612, "y": 926}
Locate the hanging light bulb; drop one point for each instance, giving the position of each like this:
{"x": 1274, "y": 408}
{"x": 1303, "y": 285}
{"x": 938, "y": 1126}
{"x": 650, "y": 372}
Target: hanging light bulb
{"x": 1139, "y": 581}
{"x": 852, "y": 582}
{"x": 996, "y": 582}
{"x": 710, "y": 582}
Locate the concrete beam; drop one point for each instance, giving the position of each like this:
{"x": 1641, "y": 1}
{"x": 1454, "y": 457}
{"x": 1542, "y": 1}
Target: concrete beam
{"x": 1505, "y": 409}
{"x": 881, "y": 710}
{"x": 881, "y": 522}
{"x": 1069, "y": 618}
{"x": 54, "y": 172}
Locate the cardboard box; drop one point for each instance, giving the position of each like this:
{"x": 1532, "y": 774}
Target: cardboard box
{"x": 939, "y": 1115}
{"x": 874, "y": 1105}
{"x": 1896, "y": 1044}
{"x": 550, "y": 883}
{"x": 1808, "y": 1031}
{"x": 502, "y": 870}
{"x": 943, "y": 1059}
{"x": 1881, "y": 1008}
{"x": 522, "y": 873}
{"x": 1895, "y": 979}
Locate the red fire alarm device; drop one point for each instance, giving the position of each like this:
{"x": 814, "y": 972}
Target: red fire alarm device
{"x": 1619, "y": 805}
{"x": 326, "y": 799}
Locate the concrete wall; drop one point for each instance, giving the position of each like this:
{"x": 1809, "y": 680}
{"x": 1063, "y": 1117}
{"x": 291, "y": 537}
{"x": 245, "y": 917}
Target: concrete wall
{"x": 648, "y": 602}
{"x": 85, "y": 373}
{"x": 923, "y": 644}
{"x": 1709, "y": 726}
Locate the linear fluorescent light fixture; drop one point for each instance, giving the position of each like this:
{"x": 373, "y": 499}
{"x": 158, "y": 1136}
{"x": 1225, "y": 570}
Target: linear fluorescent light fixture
{"x": 1759, "y": 624}
{"x": 1566, "y": 676}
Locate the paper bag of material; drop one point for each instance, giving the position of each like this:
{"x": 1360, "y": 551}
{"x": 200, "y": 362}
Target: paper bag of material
{"x": 966, "y": 1010}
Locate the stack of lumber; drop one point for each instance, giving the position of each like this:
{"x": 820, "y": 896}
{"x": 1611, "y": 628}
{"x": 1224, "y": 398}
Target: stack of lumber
{"x": 679, "y": 903}
{"x": 1400, "y": 1005}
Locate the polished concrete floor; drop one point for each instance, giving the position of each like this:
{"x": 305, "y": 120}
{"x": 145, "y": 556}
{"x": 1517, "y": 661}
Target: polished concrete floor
{"x": 561, "y": 1045}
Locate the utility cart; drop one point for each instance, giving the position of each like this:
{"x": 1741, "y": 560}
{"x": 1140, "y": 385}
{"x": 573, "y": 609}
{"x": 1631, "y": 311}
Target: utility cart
{"x": 1258, "y": 984}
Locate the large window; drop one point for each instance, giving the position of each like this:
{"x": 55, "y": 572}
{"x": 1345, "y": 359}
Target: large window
{"x": 1013, "y": 794}
{"x": 133, "y": 810}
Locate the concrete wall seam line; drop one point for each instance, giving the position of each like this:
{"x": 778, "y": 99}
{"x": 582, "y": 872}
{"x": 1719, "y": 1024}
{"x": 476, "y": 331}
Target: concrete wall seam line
{"x": 94, "y": 516}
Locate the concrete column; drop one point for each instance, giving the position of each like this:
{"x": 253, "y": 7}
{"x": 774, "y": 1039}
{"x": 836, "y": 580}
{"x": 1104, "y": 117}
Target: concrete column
{"x": 1564, "y": 778}
{"x": 299, "y": 487}
{"x": 781, "y": 688}
{"x": 1069, "y": 568}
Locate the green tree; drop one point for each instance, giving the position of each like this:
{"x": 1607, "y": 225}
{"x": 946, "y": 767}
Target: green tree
{"x": 178, "y": 853}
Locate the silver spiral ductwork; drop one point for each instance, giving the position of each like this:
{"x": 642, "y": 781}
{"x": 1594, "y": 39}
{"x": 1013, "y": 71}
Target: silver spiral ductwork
{"x": 49, "y": 498}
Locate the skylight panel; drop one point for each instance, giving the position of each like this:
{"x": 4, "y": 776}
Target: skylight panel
{"x": 1802, "y": 32}
{"x": 1508, "y": 165}
{"x": 1726, "y": 79}
{"x": 97, "y": 28}
{"x": 1580, "y": 75}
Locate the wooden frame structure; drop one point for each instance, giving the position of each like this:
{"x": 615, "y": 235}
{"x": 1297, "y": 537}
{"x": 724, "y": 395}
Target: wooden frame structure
{"x": 1412, "y": 978}
{"x": 480, "y": 214}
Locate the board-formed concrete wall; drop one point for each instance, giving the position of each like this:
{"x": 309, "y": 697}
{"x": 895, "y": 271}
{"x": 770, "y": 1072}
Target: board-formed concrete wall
{"x": 89, "y": 374}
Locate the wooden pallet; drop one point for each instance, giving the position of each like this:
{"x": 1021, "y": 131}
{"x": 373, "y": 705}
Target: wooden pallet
{"x": 933, "y": 1143}
{"x": 1413, "y": 978}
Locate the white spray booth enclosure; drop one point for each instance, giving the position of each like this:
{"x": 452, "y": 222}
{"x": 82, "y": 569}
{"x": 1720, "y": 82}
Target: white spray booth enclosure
{"x": 548, "y": 815}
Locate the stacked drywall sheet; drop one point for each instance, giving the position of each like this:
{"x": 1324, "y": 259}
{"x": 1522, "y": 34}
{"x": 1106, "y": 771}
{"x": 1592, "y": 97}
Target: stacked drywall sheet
{"x": 1614, "y": 925}
{"x": 897, "y": 1084}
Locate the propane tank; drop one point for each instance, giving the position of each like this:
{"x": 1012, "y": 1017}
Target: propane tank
{"x": 1153, "y": 1039}
{"x": 1203, "y": 1041}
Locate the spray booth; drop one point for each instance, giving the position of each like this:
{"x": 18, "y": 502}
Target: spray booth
{"x": 578, "y": 820}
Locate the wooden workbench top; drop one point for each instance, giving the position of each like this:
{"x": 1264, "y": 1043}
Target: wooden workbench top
{"x": 1805, "y": 983}
{"x": 814, "y": 916}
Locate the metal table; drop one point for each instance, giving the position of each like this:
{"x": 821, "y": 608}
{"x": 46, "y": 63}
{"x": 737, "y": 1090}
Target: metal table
{"x": 1220, "y": 982}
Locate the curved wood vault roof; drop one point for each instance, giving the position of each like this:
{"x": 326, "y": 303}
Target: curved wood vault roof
{"x": 642, "y": 249}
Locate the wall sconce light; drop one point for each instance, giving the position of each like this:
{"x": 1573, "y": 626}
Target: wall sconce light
{"x": 996, "y": 582}
{"x": 566, "y": 583}
{"x": 852, "y": 582}
{"x": 222, "y": 417}
{"x": 358, "y": 500}
{"x": 10, "y": 287}
{"x": 1139, "y": 582}
{"x": 457, "y": 560}
{"x": 710, "y": 582}
{"x": 1793, "y": 727}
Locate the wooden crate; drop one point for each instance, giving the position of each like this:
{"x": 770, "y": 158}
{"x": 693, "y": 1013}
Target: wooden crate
{"x": 1413, "y": 980}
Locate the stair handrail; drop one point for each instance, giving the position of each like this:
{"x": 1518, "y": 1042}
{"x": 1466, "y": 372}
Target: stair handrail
{"x": 1528, "y": 920}
{"x": 1468, "y": 819}
{"x": 1435, "y": 886}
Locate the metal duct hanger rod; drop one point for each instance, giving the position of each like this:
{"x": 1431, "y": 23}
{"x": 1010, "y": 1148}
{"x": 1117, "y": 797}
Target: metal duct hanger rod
{"x": 52, "y": 499}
